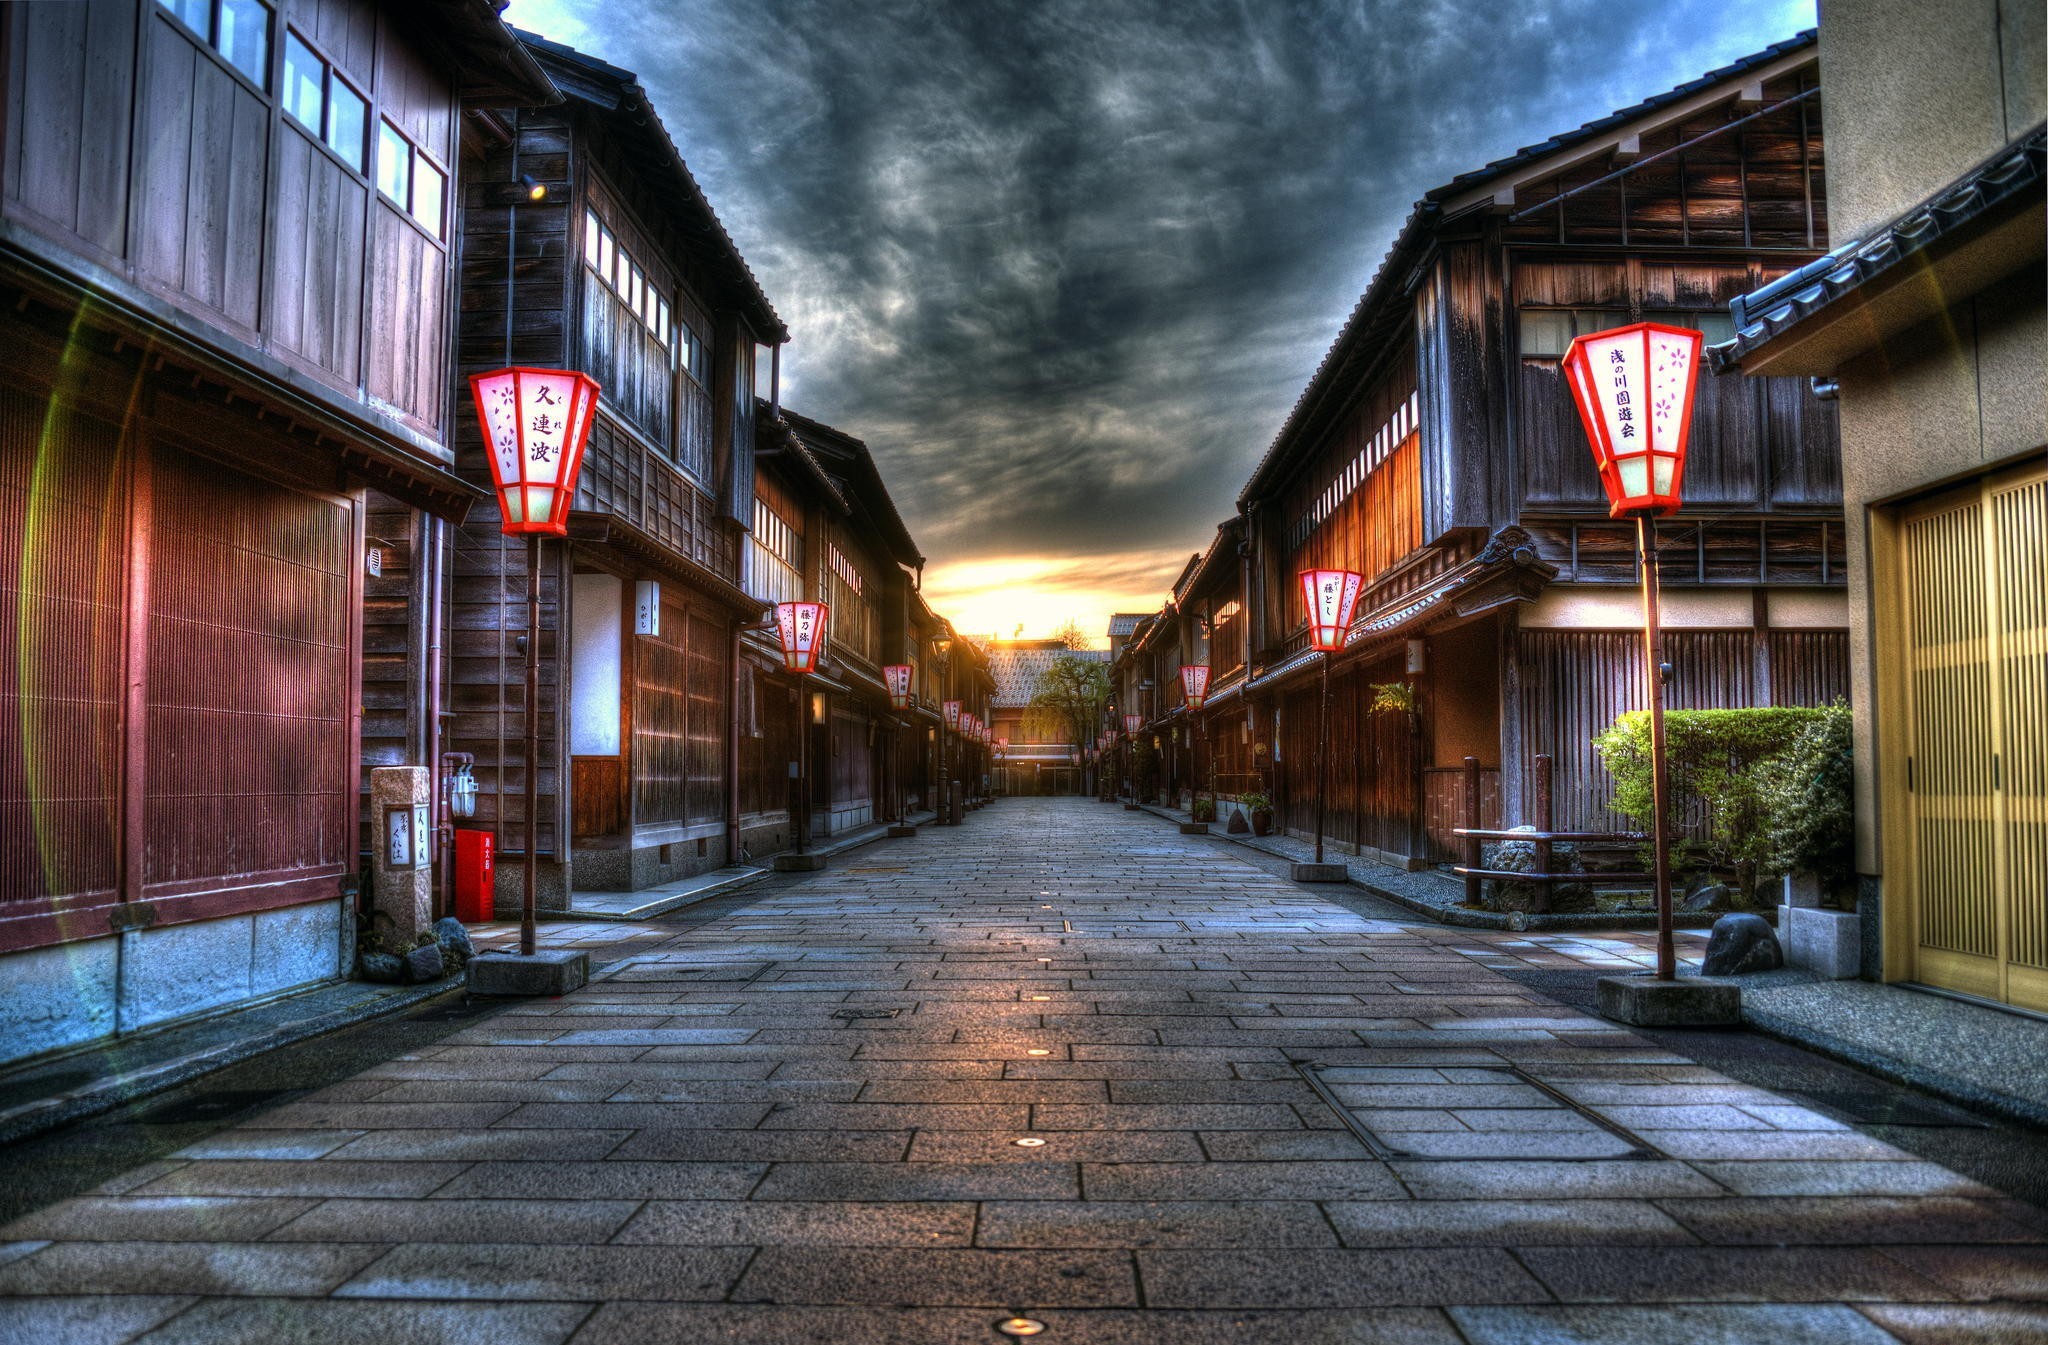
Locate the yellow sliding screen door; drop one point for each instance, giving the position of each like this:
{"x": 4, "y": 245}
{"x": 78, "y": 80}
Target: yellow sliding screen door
{"x": 1975, "y": 584}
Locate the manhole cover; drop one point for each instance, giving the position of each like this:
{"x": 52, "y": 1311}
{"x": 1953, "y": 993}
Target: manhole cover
{"x": 1475, "y": 1113}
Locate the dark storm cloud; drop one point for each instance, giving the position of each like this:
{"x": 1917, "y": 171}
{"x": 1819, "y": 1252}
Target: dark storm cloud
{"x": 1066, "y": 265}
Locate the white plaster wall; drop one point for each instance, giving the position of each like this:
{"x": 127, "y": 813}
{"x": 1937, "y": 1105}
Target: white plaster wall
{"x": 1622, "y": 609}
{"x": 595, "y": 655}
{"x": 1807, "y": 608}
{"x": 51, "y": 998}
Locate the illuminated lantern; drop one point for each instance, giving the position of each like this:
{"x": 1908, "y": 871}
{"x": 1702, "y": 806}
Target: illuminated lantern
{"x": 897, "y": 678}
{"x": 535, "y": 423}
{"x": 1634, "y": 388}
{"x": 801, "y": 628}
{"x": 1194, "y": 684}
{"x": 1329, "y": 597}
{"x": 1131, "y": 723}
{"x": 952, "y": 713}
{"x": 1002, "y": 744}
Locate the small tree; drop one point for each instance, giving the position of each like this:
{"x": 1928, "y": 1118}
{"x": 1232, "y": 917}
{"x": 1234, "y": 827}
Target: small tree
{"x": 1069, "y": 698}
{"x": 1809, "y": 795}
{"x": 1071, "y": 636}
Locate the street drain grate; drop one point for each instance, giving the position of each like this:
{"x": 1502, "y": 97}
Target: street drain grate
{"x": 1468, "y": 1113}
{"x": 1887, "y": 1108}
{"x": 854, "y": 1014}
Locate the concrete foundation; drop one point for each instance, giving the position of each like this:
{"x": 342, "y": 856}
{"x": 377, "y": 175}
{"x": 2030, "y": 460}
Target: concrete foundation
{"x": 1826, "y": 942}
{"x": 1689, "y": 1001}
{"x": 1194, "y": 828}
{"x": 549, "y": 971}
{"x": 1317, "y": 873}
{"x": 795, "y": 863}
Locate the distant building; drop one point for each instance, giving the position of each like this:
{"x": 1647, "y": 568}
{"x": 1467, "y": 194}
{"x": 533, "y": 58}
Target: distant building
{"x": 1039, "y": 759}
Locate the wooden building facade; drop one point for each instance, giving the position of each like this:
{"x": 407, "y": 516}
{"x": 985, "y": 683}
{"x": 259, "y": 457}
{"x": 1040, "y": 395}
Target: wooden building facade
{"x": 622, "y": 270}
{"x": 1436, "y": 451}
{"x": 226, "y": 247}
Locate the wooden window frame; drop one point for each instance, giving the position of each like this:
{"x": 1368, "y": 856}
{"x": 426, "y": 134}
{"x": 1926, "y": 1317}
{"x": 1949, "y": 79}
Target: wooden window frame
{"x": 415, "y": 156}
{"x": 273, "y": 51}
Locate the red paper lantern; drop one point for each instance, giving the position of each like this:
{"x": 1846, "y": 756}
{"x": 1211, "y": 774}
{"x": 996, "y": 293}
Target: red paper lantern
{"x": 1329, "y": 597}
{"x": 1634, "y": 388}
{"x": 952, "y": 713}
{"x": 535, "y": 424}
{"x": 1194, "y": 684}
{"x": 1131, "y": 723}
{"x": 897, "y": 677}
{"x": 801, "y": 628}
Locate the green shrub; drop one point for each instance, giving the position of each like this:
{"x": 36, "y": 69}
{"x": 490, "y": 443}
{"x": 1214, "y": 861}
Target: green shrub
{"x": 1809, "y": 797}
{"x": 1720, "y": 816}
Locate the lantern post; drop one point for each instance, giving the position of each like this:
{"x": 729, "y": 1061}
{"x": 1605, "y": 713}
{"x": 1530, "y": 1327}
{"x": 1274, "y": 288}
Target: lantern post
{"x": 949, "y": 714}
{"x": 896, "y": 677}
{"x": 800, "y": 628}
{"x": 535, "y": 424}
{"x": 1329, "y": 597}
{"x": 1194, "y": 691}
{"x": 1634, "y": 389}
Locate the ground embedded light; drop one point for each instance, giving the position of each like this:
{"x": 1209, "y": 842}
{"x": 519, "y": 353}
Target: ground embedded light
{"x": 1029, "y": 1143}
{"x": 1038, "y": 1050}
{"x": 1020, "y": 1326}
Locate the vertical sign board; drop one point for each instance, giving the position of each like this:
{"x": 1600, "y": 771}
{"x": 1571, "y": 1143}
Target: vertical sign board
{"x": 647, "y": 607}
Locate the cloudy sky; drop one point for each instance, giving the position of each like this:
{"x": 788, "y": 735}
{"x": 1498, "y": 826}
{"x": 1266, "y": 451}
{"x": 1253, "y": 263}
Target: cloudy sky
{"x": 1066, "y": 264}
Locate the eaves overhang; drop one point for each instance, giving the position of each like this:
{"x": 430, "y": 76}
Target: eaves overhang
{"x": 608, "y": 531}
{"x": 1984, "y": 226}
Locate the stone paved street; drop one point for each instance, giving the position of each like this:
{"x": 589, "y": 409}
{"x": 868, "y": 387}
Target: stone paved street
{"x": 1042, "y": 1064}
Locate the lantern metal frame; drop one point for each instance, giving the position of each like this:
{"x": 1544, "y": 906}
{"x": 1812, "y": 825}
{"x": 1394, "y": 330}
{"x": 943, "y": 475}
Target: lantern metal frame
{"x": 1329, "y": 601}
{"x": 1634, "y": 490}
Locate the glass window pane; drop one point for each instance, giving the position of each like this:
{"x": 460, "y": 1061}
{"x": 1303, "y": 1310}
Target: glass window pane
{"x": 394, "y": 164}
{"x": 347, "y": 119}
{"x": 429, "y": 185}
{"x": 604, "y": 257}
{"x": 304, "y": 76}
{"x": 1716, "y": 327}
{"x": 590, "y": 229}
{"x": 1545, "y": 335}
{"x": 194, "y": 14}
{"x": 245, "y": 38}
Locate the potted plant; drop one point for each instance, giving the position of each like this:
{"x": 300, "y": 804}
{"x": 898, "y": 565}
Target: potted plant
{"x": 1204, "y": 809}
{"x": 1261, "y": 809}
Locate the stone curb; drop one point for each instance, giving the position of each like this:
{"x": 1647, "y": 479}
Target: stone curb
{"x": 103, "y": 1095}
{"x": 1890, "y": 1068}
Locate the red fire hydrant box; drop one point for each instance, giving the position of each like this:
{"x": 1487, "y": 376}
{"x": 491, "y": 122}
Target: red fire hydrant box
{"x": 474, "y": 887}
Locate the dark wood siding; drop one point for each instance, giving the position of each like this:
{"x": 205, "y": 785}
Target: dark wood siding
{"x": 661, "y": 736}
{"x": 1373, "y": 776}
{"x": 67, "y": 158}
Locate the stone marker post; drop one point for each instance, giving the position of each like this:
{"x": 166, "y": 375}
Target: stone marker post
{"x": 401, "y": 856}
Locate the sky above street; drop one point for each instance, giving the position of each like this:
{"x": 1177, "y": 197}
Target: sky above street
{"x": 1065, "y": 265}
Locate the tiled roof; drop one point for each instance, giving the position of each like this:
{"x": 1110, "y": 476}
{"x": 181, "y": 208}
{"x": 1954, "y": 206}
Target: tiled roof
{"x": 1390, "y": 280}
{"x": 1123, "y": 623}
{"x": 1017, "y": 670}
{"x": 2015, "y": 173}
{"x": 634, "y": 113}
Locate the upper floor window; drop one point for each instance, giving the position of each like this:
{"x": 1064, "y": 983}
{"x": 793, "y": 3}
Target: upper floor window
{"x": 842, "y": 567}
{"x": 238, "y": 29}
{"x": 614, "y": 265}
{"x": 321, "y": 101}
{"x": 1546, "y": 333}
{"x": 409, "y": 178}
{"x": 1392, "y": 433}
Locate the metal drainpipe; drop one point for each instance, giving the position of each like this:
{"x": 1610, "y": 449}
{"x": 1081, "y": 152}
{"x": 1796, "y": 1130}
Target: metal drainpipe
{"x": 732, "y": 747}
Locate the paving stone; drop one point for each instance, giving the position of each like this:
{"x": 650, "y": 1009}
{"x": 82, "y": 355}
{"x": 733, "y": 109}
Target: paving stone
{"x": 341, "y": 1322}
{"x": 1960, "y": 1324}
{"x": 766, "y": 1146}
{"x": 1138, "y": 1224}
{"x": 1313, "y": 1277}
{"x": 86, "y": 1319}
{"x": 1241, "y": 1181}
{"x": 1816, "y": 1220}
{"x": 418, "y": 1145}
{"x": 920, "y": 1181}
{"x": 184, "y": 1268}
{"x": 1059, "y": 1146}
{"x": 1503, "y": 1223}
{"x": 563, "y": 1221}
{"x": 611, "y": 1180}
{"x": 727, "y": 1223}
{"x": 1723, "y": 1274}
{"x": 1693, "y": 1324}
{"x": 1980, "y": 1272}
{"x": 323, "y": 1177}
{"x": 500, "y": 1271}
{"x": 992, "y": 1279}
{"x": 170, "y": 1218}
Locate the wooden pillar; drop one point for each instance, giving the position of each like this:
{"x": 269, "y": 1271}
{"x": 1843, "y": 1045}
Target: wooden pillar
{"x": 1760, "y": 690}
{"x": 1472, "y": 815}
{"x": 1513, "y": 744}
